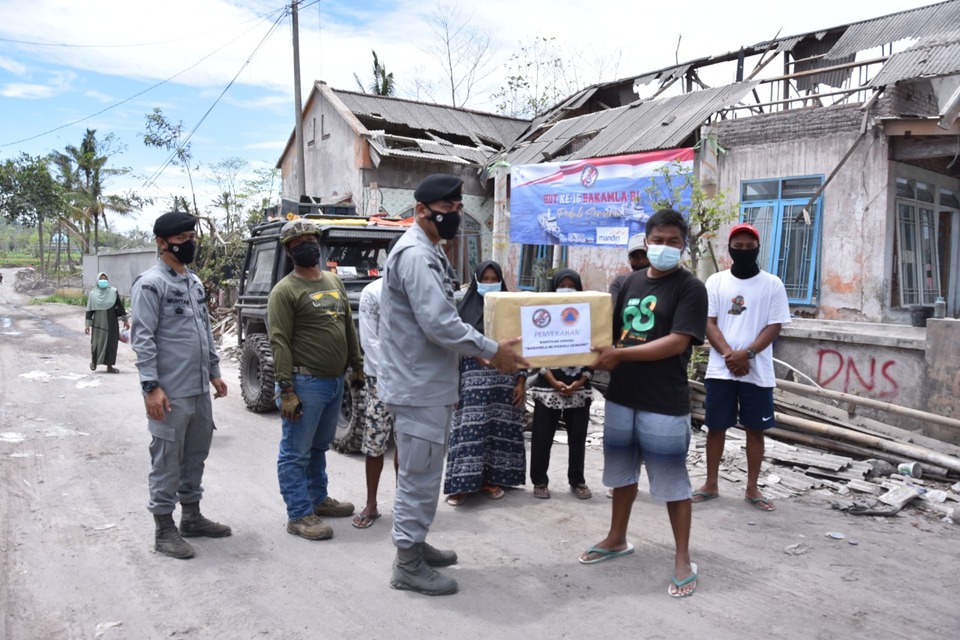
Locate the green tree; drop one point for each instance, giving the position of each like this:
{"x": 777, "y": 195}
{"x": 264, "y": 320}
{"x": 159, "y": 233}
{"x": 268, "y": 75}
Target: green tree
{"x": 163, "y": 134}
{"x": 29, "y": 195}
{"x": 84, "y": 175}
{"x": 706, "y": 209}
{"x": 382, "y": 83}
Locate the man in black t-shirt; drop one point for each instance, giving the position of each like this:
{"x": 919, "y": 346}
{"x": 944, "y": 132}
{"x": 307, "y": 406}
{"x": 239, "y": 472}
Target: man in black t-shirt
{"x": 660, "y": 313}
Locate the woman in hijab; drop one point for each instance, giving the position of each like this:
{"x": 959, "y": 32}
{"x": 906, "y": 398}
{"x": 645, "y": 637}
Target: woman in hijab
{"x": 104, "y": 309}
{"x": 487, "y": 449}
{"x": 563, "y": 392}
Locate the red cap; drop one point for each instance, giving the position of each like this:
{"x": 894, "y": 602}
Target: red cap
{"x": 745, "y": 228}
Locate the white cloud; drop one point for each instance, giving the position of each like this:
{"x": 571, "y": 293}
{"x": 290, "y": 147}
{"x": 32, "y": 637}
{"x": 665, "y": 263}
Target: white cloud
{"x": 272, "y": 145}
{"x": 101, "y": 97}
{"x": 12, "y": 66}
{"x": 27, "y": 91}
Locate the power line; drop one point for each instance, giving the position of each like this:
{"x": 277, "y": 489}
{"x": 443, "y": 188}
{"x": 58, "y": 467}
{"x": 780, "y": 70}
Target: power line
{"x": 136, "y": 95}
{"x": 156, "y": 174}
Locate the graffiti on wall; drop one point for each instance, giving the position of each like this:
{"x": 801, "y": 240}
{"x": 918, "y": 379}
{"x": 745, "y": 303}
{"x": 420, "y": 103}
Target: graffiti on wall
{"x": 866, "y": 375}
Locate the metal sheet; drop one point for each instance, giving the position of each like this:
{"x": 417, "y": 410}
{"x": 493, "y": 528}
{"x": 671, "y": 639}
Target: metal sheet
{"x": 898, "y": 26}
{"x": 935, "y": 55}
{"x": 437, "y": 118}
{"x": 641, "y": 126}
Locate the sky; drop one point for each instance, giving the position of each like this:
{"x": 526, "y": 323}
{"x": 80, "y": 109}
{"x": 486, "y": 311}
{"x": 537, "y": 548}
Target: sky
{"x": 224, "y": 68}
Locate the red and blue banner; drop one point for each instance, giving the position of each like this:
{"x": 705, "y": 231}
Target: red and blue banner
{"x": 595, "y": 202}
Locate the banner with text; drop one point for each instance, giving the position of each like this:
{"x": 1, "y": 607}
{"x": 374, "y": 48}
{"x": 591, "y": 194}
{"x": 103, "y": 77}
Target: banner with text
{"x": 595, "y": 202}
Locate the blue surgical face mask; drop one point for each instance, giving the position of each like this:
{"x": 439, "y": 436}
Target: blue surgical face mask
{"x": 662, "y": 257}
{"x": 103, "y": 284}
{"x": 483, "y": 288}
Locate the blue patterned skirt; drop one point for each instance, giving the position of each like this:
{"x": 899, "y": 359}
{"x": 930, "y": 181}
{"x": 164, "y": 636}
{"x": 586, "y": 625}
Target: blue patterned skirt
{"x": 486, "y": 442}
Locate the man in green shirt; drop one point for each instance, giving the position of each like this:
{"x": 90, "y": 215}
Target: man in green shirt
{"x": 313, "y": 339}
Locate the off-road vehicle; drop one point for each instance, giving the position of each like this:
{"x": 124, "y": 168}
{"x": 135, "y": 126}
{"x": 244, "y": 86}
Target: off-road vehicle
{"x": 352, "y": 246}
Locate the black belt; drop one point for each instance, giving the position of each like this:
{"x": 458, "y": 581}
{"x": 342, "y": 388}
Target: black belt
{"x": 307, "y": 372}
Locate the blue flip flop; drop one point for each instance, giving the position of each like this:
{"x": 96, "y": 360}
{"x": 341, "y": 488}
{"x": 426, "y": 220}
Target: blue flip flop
{"x": 605, "y": 554}
{"x": 679, "y": 584}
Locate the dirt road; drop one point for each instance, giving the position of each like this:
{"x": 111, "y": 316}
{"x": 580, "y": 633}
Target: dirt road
{"x": 76, "y": 557}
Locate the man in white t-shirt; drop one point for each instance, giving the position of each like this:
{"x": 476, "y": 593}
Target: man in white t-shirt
{"x": 746, "y": 308}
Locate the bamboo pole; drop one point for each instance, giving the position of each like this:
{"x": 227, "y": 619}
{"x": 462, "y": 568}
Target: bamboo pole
{"x": 916, "y": 414}
{"x": 911, "y": 451}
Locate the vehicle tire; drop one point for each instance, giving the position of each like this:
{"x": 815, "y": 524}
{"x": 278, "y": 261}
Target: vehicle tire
{"x": 349, "y": 434}
{"x": 256, "y": 374}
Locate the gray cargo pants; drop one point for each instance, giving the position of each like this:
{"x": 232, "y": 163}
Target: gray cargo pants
{"x": 178, "y": 451}
{"x": 422, "y": 434}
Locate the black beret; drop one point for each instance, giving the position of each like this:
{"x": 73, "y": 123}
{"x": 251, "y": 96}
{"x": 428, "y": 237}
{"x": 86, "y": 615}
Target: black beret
{"x": 439, "y": 186}
{"x": 172, "y": 223}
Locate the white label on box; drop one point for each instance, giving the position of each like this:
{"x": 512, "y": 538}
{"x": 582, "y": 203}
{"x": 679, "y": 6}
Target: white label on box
{"x": 613, "y": 235}
{"x": 555, "y": 329}
{"x": 346, "y": 272}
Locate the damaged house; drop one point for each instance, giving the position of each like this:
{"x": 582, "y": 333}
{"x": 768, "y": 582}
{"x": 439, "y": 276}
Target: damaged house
{"x": 365, "y": 155}
{"x": 842, "y": 146}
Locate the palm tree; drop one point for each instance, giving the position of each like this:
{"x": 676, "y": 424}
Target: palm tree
{"x": 84, "y": 174}
{"x": 382, "y": 83}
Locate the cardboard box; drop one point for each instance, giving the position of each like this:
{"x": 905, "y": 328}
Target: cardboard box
{"x": 557, "y": 329}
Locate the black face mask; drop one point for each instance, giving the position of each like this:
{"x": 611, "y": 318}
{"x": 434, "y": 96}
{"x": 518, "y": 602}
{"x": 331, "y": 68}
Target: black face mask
{"x": 744, "y": 262}
{"x": 183, "y": 252}
{"x": 306, "y": 254}
{"x": 447, "y": 223}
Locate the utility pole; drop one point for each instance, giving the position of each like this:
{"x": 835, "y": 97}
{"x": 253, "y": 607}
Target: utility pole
{"x": 298, "y": 107}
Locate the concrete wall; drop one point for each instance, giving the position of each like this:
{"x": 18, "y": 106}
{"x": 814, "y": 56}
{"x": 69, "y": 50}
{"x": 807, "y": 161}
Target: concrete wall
{"x": 941, "y": 391}
{"x": 908, "y": 366}
{"x": 857, "y": 228}
{"x": 122, "y": 267}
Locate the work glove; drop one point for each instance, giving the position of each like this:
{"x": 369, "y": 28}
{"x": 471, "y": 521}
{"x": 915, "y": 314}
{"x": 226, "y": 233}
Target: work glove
{"x": 290, "y": 406}
{"x": 355, "y": 379}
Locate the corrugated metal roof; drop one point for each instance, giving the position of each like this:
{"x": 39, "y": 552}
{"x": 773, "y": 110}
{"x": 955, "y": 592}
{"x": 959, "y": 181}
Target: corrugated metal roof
{"x": 898, "y": 26}
{"x": 388, "y": 152}
{"x": 934, "y": 55}
{"x": 641, "y": 126}
{"x": 437, "y": 118}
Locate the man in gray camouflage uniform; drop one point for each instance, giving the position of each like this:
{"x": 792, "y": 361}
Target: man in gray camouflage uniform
{"x": 178, "y": 364}
{"x": 421, "y": 335}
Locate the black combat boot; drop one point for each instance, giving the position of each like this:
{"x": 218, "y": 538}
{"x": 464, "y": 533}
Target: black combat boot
{"x": 193, "y": 524}
{"x": 437, "y": 557}
{"x": 168, "y": 540}
{"x": 411, "y": 573}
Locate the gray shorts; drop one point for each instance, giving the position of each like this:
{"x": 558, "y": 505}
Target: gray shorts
{"x": 632, "y": 438}
{"x": 378, "y": 423}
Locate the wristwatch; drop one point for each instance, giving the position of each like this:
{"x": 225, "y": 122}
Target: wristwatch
{"x": 284, "y": 384}
{"x": 149, "y": 385}
{"x": 751, "y": 354}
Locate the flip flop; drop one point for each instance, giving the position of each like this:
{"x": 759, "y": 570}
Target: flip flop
{"x": 679, "y": 584}
{"x": 761, "y": 503}
{"x": 493, "y": 491}
{"x": 456, "y": 499}
{"x": 703, "y": 496}
{"x": 364, "y": 520}
{"x": 605, "y": 554}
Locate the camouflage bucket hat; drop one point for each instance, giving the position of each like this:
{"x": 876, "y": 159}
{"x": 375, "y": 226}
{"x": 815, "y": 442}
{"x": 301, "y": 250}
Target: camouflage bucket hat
{"x": 297, "y": 228}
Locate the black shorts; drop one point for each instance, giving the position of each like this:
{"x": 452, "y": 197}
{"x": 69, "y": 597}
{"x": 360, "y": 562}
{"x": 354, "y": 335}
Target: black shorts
{"x": 731, "y": 402}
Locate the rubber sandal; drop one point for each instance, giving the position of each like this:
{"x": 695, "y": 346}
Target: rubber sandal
{"x": 493, "y": 491}
{"x": 541, "y": 491}
{"x": 365, "y": 520}
{"x": 605, "y": 554}
{"x": 761, "y": 503}
{"x": 673, "y": 590}
{"x": 456, "y": 499}
{"x": 703, "y": 496}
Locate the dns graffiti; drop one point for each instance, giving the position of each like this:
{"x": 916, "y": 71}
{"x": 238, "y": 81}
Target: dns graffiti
{"x": 833, "y": 366}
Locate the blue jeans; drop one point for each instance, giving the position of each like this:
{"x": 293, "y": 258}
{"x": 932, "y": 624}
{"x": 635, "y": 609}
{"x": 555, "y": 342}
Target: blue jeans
{"x": 302, "y": 463}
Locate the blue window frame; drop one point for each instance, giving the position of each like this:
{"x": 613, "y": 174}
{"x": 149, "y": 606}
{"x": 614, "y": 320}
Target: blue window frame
{"x": 790, "y": 238}
{"x": 534, "y": 260}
